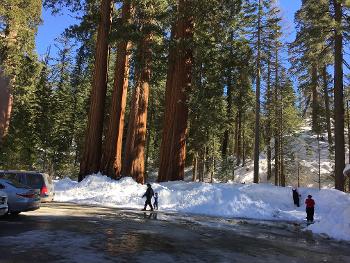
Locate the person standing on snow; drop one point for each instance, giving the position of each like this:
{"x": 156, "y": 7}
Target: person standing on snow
{"x": 310, "y": 209}
{"x": 149, "y": 194}
{"x": 296, "y": 197}
{"x": 155, "y": 204}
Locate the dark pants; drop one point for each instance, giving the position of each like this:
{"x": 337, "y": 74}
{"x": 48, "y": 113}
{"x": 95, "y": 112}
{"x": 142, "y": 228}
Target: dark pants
{"x": 148, "y": 202}
{"x": 155, "y": 204}
{"x": 296, "y": 201}
{"x": 310, "y": 213}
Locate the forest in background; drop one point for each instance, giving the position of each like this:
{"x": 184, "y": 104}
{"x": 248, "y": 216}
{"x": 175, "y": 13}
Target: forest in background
{"x": 160, "y": 85}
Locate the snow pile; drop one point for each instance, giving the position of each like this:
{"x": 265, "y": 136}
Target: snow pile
{"x": 255, "y": 201}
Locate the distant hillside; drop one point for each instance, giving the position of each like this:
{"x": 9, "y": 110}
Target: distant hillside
{"x": 302, "y": 148}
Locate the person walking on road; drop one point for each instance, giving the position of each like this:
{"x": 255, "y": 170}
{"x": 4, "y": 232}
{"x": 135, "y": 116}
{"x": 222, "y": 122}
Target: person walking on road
{"x": 296, "y": 197}
{"x": 310, "y": 209}
{"x": 155, "y": 204}
{"x": 149, "y": 194}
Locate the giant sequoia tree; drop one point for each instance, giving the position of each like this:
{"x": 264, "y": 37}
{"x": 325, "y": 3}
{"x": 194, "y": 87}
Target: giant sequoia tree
{"x": 111, "y": 163}
{"x": 134, "y": 160}
{"x": 90, "y": 162}
{"x": 173, "y": 147}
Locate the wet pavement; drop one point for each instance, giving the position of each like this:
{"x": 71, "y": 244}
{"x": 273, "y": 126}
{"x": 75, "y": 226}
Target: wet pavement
{"x": 72, "y": 233}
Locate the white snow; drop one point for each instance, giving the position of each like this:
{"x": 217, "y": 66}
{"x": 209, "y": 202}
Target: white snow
{"x": 306, "y": 151}
{"x": 346, "y": 171}
{"x": 255, "y": 201}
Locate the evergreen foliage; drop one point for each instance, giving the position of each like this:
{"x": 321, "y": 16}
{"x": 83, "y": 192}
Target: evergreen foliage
{"x": 238, "y": 74}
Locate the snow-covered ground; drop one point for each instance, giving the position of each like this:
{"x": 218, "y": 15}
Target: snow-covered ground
{"x": 256, "y": 201}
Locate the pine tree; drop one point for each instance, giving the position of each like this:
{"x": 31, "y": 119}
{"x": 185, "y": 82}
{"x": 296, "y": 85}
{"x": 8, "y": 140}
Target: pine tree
{"x": 311, "y": 52}
{"x": 339, "y": 140}
{"x": 43, "y": 117}
{"x": 19, "y": 25}
{"x": 257, "y": 96}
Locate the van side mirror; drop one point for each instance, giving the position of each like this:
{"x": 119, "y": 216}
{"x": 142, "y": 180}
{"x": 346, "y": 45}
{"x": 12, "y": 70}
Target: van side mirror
{"x": 2, "y": 186}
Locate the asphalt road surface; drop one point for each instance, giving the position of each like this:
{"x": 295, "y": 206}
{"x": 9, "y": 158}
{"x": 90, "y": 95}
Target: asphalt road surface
{"x": 72, "y": 233}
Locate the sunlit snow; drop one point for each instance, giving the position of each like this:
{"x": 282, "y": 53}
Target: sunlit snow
{"x": 255, "y": 201}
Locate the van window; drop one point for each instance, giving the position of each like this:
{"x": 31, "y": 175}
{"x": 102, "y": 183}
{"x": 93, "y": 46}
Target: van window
{"x": 11, "y": 176}
{"x": 35, "y": 180}
{"x": 2, "y": 186}
{"x": 21, "y": 178}
{"x": 16, "y": 184}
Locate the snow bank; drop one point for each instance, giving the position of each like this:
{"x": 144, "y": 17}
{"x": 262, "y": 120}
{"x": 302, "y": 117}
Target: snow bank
{"x": 255, "y": 201}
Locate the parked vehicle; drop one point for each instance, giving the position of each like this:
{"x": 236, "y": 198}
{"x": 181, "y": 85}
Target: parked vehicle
{"x": 3, "y": 203}
{"x": 21, "y": 198}
{"x": 35, "y": 180}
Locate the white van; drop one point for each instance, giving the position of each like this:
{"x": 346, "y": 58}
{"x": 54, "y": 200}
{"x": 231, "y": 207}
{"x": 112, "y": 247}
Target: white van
{"x": 35, "y": 180}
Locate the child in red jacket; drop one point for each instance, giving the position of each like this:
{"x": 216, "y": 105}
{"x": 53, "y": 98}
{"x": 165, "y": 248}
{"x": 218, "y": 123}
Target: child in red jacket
{"x": 310, "y": 209}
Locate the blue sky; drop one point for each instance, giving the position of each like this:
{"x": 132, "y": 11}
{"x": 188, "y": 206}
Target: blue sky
{"x": 53, "y": 26}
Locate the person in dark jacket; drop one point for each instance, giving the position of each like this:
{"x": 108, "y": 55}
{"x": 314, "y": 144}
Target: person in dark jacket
{"x": 296, "y": 197}
{"x": 149, "y": 194}
{"x": 310, "y": 209}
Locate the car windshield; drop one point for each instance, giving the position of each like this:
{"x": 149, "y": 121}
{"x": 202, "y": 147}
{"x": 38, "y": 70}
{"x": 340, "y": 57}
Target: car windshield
{"x": 34, "y": 180}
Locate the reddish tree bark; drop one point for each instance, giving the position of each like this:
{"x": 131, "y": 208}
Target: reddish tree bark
{"x": 173, "y": 146}
{"x": 8, "y": 77}
{"x": 5, "y": 105}
{"x": 130, "y": 138}
{"x": 111, "y": 162}
{"x": 134, "y": 160}
{"x": 168, "y": 114}
{"x": 91, "y": 158}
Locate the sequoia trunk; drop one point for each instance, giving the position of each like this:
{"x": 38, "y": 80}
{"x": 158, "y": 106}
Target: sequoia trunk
{"x": 136, "y": 139}
{"x": 5, "y": 105}
{"x": 91, "y": 158}
{"x": 111, "y": 158}
{"x": 173, "y": 147}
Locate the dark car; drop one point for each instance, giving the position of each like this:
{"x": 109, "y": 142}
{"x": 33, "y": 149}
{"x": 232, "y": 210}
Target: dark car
{"x": 35, "y": 180}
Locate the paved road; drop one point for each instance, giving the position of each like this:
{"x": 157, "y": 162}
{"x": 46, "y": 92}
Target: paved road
{"x": 72, "y": 233}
